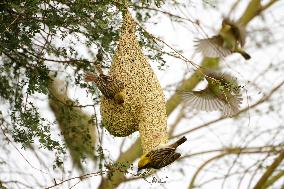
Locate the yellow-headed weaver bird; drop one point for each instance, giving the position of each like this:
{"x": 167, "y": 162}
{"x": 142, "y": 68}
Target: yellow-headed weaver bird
{"x": 111, "y": 88}
{"x": 221, "y": 93}
{"x": 161, "y": 156}
{"x": 230, "y": 39}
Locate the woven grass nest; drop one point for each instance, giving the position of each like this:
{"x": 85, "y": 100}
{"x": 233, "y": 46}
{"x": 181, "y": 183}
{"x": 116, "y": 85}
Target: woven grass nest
{"x": 144, "y": 109}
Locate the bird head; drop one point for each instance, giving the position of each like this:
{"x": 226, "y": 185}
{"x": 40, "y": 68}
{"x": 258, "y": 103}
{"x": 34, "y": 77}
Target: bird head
{"x": 119, "y": 97}
{"x": 226, "y": 25}
{"x": 144, "y": 162}
{"x": 226, "y": 28}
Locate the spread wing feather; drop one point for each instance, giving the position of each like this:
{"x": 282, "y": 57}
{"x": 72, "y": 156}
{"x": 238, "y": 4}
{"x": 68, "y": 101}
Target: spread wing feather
{"x": 202, "y": 100}
{"x": 212, "y": 47}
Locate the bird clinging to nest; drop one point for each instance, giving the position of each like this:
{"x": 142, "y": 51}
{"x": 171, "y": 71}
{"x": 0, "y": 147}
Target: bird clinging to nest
{"x": 161, "y": 156}
{"x": 110, "y": 87}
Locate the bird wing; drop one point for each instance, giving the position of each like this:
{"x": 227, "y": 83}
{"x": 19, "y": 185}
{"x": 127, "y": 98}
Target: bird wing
{"x": 230, "y": 96}
{"x": 212, "y": 47}
{"x": 169, "y": 158}
{"x": 239, "y": 32}
{"x": 242, "y": 36}
{"x": 202, "y": 100}
{"x": 159, "y": 154}
{"x": 115, "y": 83}
{"x": 161, "y": 157}
{"x": 232, "y": 106}
{"x": 110, "y": 86}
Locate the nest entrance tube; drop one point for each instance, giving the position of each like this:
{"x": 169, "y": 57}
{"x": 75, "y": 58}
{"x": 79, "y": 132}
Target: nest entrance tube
{"x": 144, "y": 109}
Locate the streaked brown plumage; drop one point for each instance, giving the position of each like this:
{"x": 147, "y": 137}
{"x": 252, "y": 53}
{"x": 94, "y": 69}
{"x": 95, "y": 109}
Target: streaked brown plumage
{"x": 111, "y": 88}
{"x": 160, "y": 157}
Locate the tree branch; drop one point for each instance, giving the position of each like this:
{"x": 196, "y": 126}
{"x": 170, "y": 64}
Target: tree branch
{"x": 273, "y": 179}
{"x": 269, "y": 171}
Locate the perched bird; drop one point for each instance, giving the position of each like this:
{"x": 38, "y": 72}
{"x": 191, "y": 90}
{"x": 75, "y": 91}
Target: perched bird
{"x": 111, "y": 88}
{"x": 221, "y": 93}
{"x": 230, "y": 39}
{"x": 160, "y": 157}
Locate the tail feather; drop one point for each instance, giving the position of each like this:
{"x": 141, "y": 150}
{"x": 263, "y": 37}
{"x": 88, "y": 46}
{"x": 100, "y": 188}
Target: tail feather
{"x": 245, "y": 55}
{"x": 178, "y": 142}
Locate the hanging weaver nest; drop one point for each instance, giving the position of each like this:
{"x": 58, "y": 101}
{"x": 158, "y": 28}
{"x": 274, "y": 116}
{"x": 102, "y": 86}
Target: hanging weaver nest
{"x": 144, "y": 108}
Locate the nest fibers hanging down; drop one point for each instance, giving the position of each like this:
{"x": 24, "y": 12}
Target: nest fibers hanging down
{"x": 144, "y": 108}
